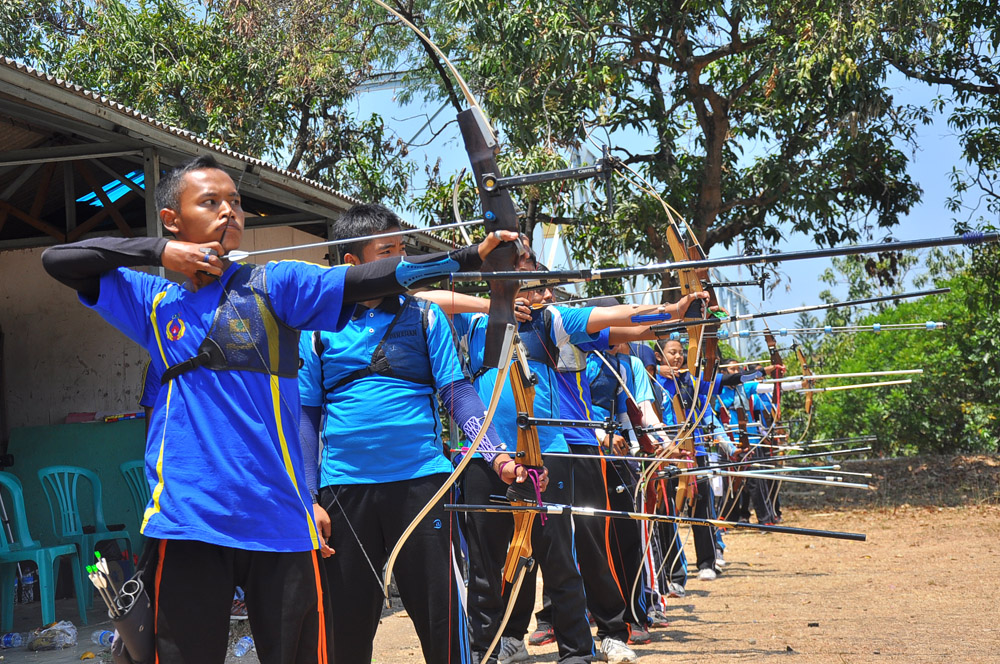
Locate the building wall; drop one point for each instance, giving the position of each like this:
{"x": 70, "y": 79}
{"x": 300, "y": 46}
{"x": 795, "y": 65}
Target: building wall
{"x": 60, "y": 358}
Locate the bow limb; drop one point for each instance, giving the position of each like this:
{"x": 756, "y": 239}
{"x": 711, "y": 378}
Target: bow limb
{"x": 519, "y": 561}
{"x": 737, "y": 484}
{"x": 508, "y": 350}
{"x": 775, "y": 429}
{"x": 498, "y": 214}
{"x": 806, "y": 371}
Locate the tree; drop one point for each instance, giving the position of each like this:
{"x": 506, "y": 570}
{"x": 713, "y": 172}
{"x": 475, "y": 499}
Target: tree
{"x": 952, "y": 406}
{"x": 760, "y": 117}
{"x": 270, "y": 78}
{"x": 953, "y": 44}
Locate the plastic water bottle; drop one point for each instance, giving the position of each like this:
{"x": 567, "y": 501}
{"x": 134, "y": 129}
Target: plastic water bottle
{"x": 103, "y": 637}
{"x": 243, "y": 646}
{"x": 27, "y": 588}
{"x": 13, "y": 639}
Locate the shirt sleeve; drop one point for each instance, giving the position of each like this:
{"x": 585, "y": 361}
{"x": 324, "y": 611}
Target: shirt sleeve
{"x": 643, "y": 390}
{"x": 569, "y": 326}
{"x": 311, "y": 388}
{"x": 125, "y": 300}
{"x": 307, "y": 296}
{"x": 600, "y": 343}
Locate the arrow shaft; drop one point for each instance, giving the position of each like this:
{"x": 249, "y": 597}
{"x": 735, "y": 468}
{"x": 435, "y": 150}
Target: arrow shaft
{"x": 550, "y": 508}
{"x": 240, "y": 255}
{"x": 859, "y": 374}
{"x": 570, "y": 276}
{"x": 858, "y": 386}
{"x": 674, "y": 327}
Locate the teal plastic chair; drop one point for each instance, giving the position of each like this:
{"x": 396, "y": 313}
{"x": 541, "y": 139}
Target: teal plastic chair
{"x": 61, "y": 484}
{"x": 24, "y": 549}
{"x": 135, "y": 477}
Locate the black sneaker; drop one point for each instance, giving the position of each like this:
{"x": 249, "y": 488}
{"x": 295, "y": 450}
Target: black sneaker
{"x": 638, "y": 636}
{"x": 542, "y": 635}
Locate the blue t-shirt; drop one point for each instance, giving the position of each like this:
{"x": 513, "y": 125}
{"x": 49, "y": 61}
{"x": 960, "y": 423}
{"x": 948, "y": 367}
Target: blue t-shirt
{"x": 574, "y": 389}
{"x": 222, "y": 454}
{"x": 698, "y": 410}
{"x": 568, "y": 326}
{"x": 600, "y": 375}
{"x": 379, "y": 428}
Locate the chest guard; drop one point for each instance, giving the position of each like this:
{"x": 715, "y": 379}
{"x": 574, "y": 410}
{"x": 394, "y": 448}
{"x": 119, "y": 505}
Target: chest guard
{"x": 246, "y": 334}
{"x": 604, "y": 387}
{"x": 402, "y": 353}
{"x": 571, "y": 359}
{"x": 536, "y": 336}
{"x": 685, "y": 390}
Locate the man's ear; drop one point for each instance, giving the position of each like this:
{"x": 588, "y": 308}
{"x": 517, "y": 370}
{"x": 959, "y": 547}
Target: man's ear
{"x": 351, "y": 259}
{"x": 169, "y": 218}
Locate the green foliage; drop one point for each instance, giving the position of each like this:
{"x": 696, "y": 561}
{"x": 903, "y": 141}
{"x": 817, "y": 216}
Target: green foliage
{"x": 954, "y": 44}
{"x": 952, "y": 406}
{"x": 761, "y": 117}
{"x": 270, "y": 78}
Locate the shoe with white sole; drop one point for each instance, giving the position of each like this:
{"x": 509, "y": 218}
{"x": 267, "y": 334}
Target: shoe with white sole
{"x": 707, "y": 574}
{"x": 617, "y": 652}
{"x": 675, "y": 590}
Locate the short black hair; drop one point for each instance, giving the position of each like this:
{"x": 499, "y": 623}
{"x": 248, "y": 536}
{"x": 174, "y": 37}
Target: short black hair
{"x": 168, "y": 191}
{"x": 360, "y": 220}
{"x": 603, "y": 301}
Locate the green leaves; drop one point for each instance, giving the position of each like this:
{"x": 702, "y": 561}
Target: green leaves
{"x": 952, "y": 407}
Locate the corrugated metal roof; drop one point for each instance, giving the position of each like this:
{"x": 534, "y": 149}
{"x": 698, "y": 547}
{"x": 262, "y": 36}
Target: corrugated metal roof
{"x": 194, "y": 139}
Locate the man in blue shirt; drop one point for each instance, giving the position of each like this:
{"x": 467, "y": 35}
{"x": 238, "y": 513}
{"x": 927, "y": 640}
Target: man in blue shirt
{"x": 229, "y": 502}
{"x": 375, "y": 386}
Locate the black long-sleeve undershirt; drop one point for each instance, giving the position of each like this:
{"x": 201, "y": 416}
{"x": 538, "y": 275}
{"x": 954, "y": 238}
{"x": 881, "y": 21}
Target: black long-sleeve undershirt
{"x": 80, "y": 265}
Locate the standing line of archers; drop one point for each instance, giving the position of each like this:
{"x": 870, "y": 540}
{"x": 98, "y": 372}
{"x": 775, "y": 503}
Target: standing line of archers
{"x": 334, "y": 453}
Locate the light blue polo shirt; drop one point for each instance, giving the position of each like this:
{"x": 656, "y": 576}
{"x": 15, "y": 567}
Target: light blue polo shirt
{"x": 378, "y": 428}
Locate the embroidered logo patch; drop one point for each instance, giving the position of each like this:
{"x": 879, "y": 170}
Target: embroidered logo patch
{"x": 175, "y": 329}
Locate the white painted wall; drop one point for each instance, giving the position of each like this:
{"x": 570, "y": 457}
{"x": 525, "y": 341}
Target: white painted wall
{"x": 60, "y": 357}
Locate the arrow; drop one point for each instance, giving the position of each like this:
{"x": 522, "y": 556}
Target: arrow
{"x": 858, "y": 386}
{"x": 859, "y": 374}
{"x": 553, "y": 508}
{"x": 674, "y": 327}
{"x": 573, "y": 276}
{"x": 239, "y": 255}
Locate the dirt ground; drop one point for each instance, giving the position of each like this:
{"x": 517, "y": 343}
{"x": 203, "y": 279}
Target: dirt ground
{"x": 924, "y": 587}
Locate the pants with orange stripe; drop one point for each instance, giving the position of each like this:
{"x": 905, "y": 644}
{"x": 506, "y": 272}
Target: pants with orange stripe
{"x": 488, "y": 536}
{"x": 606, "y": 585}
{"x": 193, "y": 584}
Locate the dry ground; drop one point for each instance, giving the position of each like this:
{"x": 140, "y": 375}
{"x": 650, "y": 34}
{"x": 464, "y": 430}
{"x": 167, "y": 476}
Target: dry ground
{"x": 923, "y": 588}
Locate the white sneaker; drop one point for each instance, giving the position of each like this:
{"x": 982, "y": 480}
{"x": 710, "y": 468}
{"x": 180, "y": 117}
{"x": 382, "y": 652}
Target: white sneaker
{"x": 511, "y": 650}
{"x": 675, "y": 590}
{"x": 719, "y": 561}
{"x": 707, "y": 574}
{"x": 617, "y": 652}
